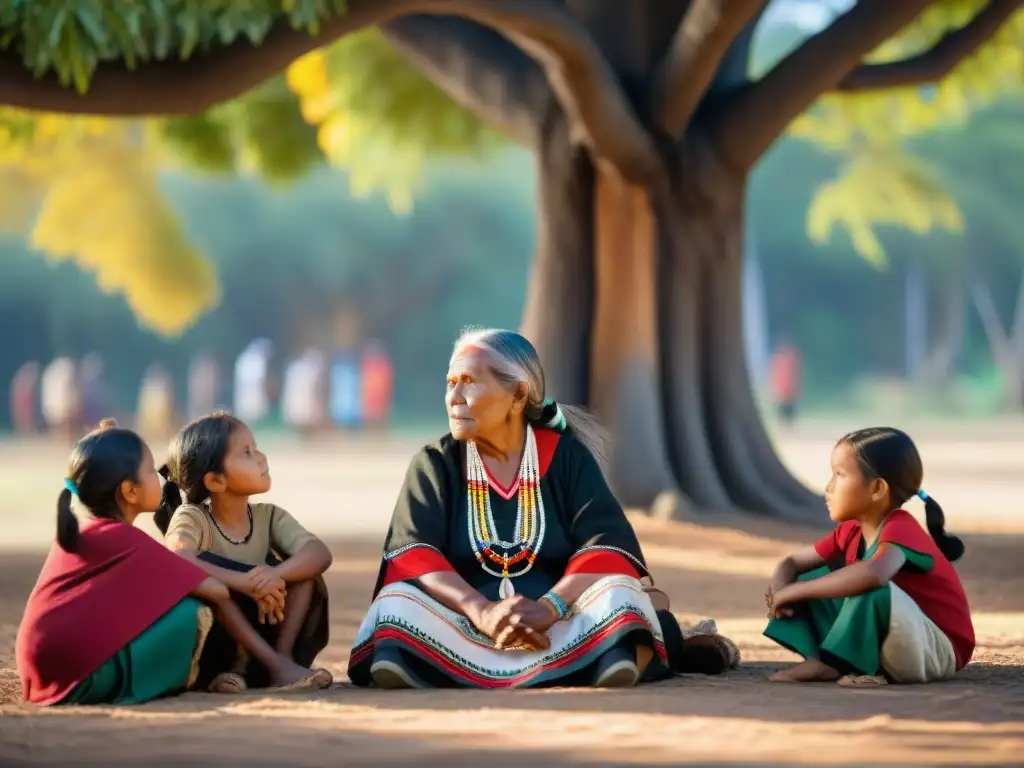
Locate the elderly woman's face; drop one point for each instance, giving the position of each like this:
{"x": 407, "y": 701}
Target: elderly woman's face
{"x": 478, "y": 403}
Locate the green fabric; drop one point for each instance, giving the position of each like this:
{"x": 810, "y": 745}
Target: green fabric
{"x": 915, "y": 559}
{"x": 846, "y": 633}
{"x": 154, "y": 664}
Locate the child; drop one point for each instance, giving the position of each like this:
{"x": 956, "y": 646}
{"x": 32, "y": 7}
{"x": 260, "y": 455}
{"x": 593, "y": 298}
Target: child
{"x": 114, "y": 617}
{"x": 877, "y": 600}
{"x": 215, "y": 465}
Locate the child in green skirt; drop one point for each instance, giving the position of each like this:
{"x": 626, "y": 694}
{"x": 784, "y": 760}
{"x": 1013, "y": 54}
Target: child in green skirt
{"x": 877, "y": 600}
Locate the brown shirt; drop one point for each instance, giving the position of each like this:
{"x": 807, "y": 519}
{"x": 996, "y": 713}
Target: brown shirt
{"x": 272, "y": 529}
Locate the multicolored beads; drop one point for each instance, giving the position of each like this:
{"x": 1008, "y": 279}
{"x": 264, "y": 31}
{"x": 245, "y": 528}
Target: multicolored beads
{"x": 559, "y": 604}
{"x": 528, "y": 533}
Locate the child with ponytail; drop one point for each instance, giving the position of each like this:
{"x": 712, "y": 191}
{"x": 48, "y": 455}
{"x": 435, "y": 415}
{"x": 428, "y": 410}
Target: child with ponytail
{"x": 114, "y": 617}
{"x": 272, "y": 565}
{"x": 877, "y": 600}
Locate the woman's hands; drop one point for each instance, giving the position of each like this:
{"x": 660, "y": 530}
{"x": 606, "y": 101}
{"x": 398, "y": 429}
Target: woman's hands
{"x": 515, "y": 621}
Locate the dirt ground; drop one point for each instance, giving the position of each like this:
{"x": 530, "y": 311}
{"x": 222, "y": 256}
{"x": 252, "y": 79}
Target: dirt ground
{"x": 344, "y": 491}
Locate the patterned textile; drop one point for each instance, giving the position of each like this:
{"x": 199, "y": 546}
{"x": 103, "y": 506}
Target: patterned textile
{"x": 432, "y": 643}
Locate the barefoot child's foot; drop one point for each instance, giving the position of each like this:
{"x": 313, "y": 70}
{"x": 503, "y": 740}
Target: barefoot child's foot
{"x": 809, "y": 671}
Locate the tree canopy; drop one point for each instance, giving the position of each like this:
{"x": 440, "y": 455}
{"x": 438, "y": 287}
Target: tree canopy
{"x": 273, "y": 87}
{"x": 882, "y": 181}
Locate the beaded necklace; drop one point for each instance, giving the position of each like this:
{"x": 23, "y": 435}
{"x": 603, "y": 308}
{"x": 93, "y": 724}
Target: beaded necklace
{"x": 248, "y": 510}
{"x": 530, "y": 525}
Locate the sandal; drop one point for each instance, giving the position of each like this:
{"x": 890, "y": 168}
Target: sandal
{"x": 302, "y": 685}
{"x": 228, "y": 683}
{"x": 862, "y": 681}
{"x": 323, "y": 678}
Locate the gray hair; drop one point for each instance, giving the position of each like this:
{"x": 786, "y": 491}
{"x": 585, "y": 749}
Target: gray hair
{"x": 514, "y": 361}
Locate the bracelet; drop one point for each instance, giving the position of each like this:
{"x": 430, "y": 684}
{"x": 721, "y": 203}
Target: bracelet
{"x": 558, "y": 603}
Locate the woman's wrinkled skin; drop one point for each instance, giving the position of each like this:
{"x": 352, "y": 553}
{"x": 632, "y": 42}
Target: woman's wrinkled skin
{"x": 485, "y": 410}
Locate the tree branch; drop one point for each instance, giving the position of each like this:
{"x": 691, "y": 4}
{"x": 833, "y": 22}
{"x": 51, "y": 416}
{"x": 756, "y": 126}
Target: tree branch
{"x": 600, "y": 114}
{"x": 749, "y": 122}
{"x": 546, "y": 30}
{"x": 477, "y": 68}
{"x": 174, "y": 87}
{"x": 933, "y": 65}
{"x": 701, "y": 42}
{"x": 734, "y": 69}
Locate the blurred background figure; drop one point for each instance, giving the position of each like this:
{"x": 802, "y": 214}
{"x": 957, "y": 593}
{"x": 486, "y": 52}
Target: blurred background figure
{"x": 252, "y": 377}
{"x": 378, "y": 382}
{"x": 785, "y": 380}
{"x": 346, "y": 391}
{"x": 156, "y": 412}
{"x": 92, "y": 387}
{"x": 59, "y": 398}
{"x": 304, "y": 393}
{"x": 203, "y": 385}
{"x": 25, "y": 399}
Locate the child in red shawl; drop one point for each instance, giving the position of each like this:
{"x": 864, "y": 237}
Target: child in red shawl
{"x": 115, "y": 618}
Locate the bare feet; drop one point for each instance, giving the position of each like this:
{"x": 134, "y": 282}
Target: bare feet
{"x": 809, "y": 671}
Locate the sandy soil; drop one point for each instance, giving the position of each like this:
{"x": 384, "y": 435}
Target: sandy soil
{"x": 710, "y": 570}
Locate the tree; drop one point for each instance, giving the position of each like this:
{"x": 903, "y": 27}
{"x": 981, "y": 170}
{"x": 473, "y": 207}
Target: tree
{"x": 645, "y": 125}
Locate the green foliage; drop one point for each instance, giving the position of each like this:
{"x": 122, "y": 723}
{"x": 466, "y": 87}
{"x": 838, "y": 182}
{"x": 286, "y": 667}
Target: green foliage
{"x": 262, "y": 133}
{"x": 205, "y": 141}
{"x": 881, "y": 188}
{"x": 379, "y": 119}
{"x": 880, "y": 183}
{"x": 360, "y": 106}
{"x": 72, "y": 37}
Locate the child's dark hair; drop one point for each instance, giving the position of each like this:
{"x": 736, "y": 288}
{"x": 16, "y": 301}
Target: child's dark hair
{"x": 99, "y": 463}
{"x": 889, "y": 454}
{"x": 200, "y": 447}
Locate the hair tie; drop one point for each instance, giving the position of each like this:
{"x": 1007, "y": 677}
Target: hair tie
{"x": 69, "y": 484}
{"x": 922, "y": 495}
{"x": 553, "y": 416}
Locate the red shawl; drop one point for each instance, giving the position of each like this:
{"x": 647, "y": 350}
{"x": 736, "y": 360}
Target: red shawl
{"x": 90, "y": 604}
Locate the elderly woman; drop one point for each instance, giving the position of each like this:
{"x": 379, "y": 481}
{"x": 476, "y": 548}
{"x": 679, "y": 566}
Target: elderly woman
{"x": 509, "y": 562}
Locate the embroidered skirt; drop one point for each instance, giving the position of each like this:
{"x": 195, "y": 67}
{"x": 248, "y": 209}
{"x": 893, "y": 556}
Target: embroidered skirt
{"x": 435, "y": 647}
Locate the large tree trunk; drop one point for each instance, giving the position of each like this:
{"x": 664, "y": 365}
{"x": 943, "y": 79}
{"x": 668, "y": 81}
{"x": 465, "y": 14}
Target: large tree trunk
{"x": 751, "y": 468}
{"x": 625, "y": 365}
{"x": 560, "y": 295}
{"x": 667, "y": 373}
